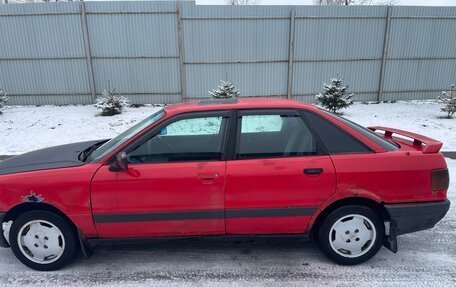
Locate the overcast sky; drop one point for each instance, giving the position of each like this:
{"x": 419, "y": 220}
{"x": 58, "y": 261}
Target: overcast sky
{"x": 311, "y": 2}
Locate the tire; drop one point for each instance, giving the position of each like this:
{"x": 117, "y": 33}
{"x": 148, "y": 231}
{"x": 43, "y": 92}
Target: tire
{"x": 351, "y": 234}
{"x": 42, "y": 240}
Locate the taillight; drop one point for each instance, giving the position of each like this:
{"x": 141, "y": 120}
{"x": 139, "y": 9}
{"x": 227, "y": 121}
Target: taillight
{"x": 440, "y": 179}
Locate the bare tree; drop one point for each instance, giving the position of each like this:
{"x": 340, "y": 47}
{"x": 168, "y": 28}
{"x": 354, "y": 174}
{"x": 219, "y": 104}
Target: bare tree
{"x": 388, "y": 2}
{"x": 48, "y": 1}
{"x": 356, "y": 2}
{"x": 335, "y": 2}
{"x": 241, "y": 2}
{"x": 381, "y": 2}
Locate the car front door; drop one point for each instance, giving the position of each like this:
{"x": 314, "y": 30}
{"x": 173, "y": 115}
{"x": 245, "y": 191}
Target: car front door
{"x": 174, "y": 184}
{"x": 278, "y": 176}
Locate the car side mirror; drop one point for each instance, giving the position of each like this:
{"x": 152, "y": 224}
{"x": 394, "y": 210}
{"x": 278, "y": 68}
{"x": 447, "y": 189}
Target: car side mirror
{"x": 120, "y": 163}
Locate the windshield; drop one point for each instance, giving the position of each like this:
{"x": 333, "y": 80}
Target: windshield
{"x": 125, "y": 136}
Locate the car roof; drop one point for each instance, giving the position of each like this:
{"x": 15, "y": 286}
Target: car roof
{"x": 238, "y": 103}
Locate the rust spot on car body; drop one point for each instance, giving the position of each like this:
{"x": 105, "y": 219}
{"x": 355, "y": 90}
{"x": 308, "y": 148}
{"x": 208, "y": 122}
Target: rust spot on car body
{"x": 33, "y": 198}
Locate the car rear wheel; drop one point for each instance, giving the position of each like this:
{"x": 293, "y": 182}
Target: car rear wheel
{"x": 351, "y": 234}
{"x": 43, "y": 240}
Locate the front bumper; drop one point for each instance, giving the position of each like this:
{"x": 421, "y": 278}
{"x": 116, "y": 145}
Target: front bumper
{"x": 3, "y": 242}
{"x": 412, "y": 217}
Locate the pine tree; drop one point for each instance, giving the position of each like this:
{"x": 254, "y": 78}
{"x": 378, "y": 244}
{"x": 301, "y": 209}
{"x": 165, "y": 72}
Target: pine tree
{"x": 3, "y": 100}
{"x": 333, "y": 98}
{"x": 111, "y": 103}
{"x": 448, "y": 98}
{"x": 224, "y": 91}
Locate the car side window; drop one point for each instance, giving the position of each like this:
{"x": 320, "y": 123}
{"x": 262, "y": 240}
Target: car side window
{"x": 194, "y": 139}
{"x": 261, "y": 124}
{"x": 335, "y": 140}
{"x": 274, "y": 135}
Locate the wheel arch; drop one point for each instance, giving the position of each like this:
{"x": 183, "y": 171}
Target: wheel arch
{"x": 14, "y": 212}
{"x": 378, "y": 207}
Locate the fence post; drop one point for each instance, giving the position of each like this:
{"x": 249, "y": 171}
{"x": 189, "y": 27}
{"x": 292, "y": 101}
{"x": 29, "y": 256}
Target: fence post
{"x": 291, "y": 54}
{"x": 181, "y": 53}
{"x": 85, "y": 34}
{"x": 384, "y": 55}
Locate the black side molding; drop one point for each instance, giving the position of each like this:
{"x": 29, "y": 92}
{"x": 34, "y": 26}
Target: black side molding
{"x": 159, "y": 216}
{"x": 205, "y": 214}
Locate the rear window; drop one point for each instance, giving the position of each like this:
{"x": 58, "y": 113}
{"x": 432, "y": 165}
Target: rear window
{"x": 384, "y": 143}
{"x": 335, "y": 139}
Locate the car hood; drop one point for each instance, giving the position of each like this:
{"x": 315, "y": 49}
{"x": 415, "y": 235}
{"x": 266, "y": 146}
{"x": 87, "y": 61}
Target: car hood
{"x": 48, "y": 158}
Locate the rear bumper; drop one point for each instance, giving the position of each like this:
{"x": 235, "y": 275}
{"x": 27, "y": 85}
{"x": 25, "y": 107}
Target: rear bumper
{"x": 406, "y": 218}
{"x": 3, "y": 242}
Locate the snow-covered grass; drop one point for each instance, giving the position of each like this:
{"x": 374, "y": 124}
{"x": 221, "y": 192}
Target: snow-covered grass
{"x": 422, "y": 117}
{"x": 26, "y": 128}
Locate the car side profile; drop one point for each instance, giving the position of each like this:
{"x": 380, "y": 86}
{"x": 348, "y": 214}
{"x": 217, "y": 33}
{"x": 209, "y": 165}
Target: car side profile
{"x": 226, "y": 167}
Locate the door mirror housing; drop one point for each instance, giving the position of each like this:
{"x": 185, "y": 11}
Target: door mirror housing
{"x": 120, "y": 163}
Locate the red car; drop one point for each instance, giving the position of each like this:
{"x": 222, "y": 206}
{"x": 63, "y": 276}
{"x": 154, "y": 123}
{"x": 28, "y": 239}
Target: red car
{"x": 226, "y": 167}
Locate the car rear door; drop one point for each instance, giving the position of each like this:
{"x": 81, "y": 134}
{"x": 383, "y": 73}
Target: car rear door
{"x": 278, "y": 175}
{"x": 174, "y": 184}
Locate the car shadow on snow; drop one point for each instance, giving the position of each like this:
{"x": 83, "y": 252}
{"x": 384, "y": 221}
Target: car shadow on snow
{"x": 206, "y": 249}
{"x": 206, "y": 252}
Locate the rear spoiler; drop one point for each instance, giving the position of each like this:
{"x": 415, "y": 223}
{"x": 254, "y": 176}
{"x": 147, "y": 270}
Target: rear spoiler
{"x": 430, "y": 145}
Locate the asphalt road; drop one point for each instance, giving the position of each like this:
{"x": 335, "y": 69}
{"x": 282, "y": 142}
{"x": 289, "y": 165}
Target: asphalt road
{"x": 426, "y": 258}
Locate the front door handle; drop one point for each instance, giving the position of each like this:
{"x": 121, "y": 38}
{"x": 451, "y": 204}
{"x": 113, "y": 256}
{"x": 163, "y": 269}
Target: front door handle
{"x": 313, "y": 171}
{"x": 208, "y": 177}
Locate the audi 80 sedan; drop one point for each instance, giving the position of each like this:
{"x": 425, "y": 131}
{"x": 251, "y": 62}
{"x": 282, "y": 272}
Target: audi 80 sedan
{"x": 226, "y": 167}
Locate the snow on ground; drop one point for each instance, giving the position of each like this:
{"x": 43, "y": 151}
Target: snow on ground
{"x": 422, "y": 117}
{"x": 426, "y": 258}
{"x": 26, "y": 128}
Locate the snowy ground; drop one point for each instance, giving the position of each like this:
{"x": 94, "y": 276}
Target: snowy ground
{"x": 426, "y": 258}
{"x": 422, "y": 117}
{"x": 28, "y": 128}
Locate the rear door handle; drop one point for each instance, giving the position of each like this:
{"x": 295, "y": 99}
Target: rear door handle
{"x": 311, "y": 171}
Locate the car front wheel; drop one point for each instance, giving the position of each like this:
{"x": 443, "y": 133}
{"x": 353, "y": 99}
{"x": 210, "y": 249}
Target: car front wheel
{"x": 351, "y": 234}
{"x": 42, "y": 240}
